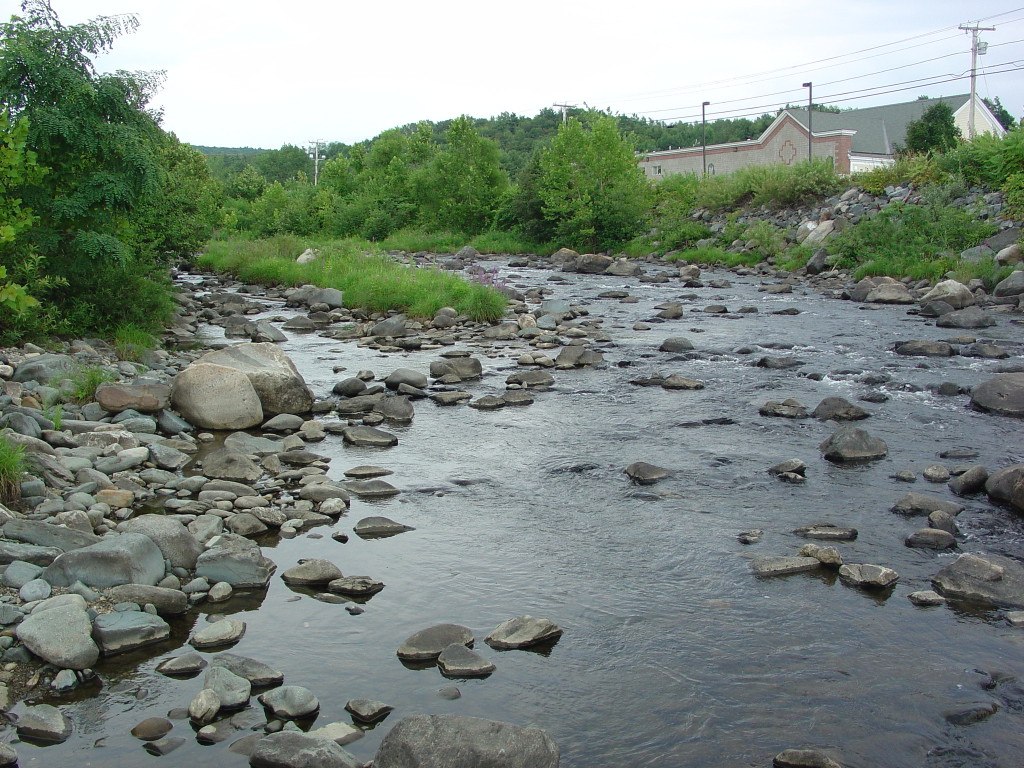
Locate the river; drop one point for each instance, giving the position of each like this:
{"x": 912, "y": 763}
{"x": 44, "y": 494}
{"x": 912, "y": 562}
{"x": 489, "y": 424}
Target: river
{"x": 673, "y": 655}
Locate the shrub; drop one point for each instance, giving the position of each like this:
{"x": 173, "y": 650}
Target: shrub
{"x": 1014, "y": 191}
{"x": 767, "y": 238}
{"x": 12, "y": 464}
{"x": 908, "y": 168}
{"x": 85, "y": 380}
{"x": 132, "y": 342}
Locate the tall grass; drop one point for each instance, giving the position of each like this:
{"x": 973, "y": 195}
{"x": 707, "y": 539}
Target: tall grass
{"x": 367, "y": 280}
{"x": 775, "y": 186}
{"x": 132, "y": 342}
{"x": 85, "y": 380}
{"x": 12, "y": 464}
{"x": 415, "y": 240}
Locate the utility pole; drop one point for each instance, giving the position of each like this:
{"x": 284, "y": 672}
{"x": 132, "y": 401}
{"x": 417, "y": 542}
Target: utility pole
{"x": 810, "y": 119}
{"x": 565, "y": 110}
{"x": 975, "y": 45}
{"x": 314, "y": 152}
{"x": 704, "y": 136}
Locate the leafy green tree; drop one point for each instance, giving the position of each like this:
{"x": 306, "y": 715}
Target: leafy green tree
{"x": 284, "y": 164}
{"x": 1001, "y": 113}
{"x": 590, "y": 187}
{"x": 248, "y": 184}
{"x": 17, "y": 167}
{"x": 462, "y": 186}
{"x": 100, "y": 147}
{"x": 935, "y": 131}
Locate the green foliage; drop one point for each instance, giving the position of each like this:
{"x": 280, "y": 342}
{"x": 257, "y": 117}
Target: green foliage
{"x": 908, "y": 167}
{"x": 985, "y": 269}
{"x": 766, "y": 238}
{"x": 716, "y": 256}
{"x": 367, "y": 280}
{"x": 919, "y": 241}
{"x": 1001, "y": 113}
{"x": 794, "y": 258}
{"x": 1014, "y": 191}
{"x": 461, "y": 187}
{"x": 55, "y": 413}
{"x": 935, "y": 131}
{"x": 248, "y": 184}
{"x": 83, "y": 382}
{"x": 285, "y": 164}
{"x": 776, "y": 186}
{"x": 12, "y": 465}
{"x": 590, "y": 188}
{"x": 133, "y": 342}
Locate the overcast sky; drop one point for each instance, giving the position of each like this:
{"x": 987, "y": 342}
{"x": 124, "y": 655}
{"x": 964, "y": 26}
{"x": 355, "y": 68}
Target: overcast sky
{"x": 264, "y": 74}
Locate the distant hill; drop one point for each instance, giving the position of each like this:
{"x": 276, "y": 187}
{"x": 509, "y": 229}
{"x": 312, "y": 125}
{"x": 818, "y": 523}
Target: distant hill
{"x": 228, "y": 150}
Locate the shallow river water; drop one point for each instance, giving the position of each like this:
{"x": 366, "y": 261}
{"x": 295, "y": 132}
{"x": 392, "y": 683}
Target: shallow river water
{"x": 674, "y": 655}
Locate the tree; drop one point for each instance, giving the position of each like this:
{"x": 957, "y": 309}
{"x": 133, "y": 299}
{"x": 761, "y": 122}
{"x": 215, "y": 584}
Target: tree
{"x": 1001, "y": 113}
{"x": 590, "y": 186}
{"x": 100, "y": 147}
{"x": 17, "y": 166}
{"x": 284, "y": 164}
{"x": 462, "y": 186}
{"x": 935, "y": 131}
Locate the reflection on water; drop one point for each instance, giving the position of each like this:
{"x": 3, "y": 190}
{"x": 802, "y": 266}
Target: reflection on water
{"x": 673, "y": 654}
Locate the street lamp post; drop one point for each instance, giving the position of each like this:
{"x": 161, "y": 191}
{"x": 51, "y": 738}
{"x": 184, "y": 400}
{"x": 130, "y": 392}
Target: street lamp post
{"x": 810, "y": 119}
{"x": 704, "y": 137}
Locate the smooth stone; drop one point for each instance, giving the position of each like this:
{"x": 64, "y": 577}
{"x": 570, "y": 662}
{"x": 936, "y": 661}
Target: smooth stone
{"x": 924, "y": 504}
{"x": 867, "y": 575}
{"x": 126, "y": 631}
{"x": 223, "y": 632}
{"x": 168, "y": 602}
{"x": 312, "y": 570}
{"x": 43, "y": 722}
{"x": 367, "y": 710}
{"x": 187, "y": 664}
{"x": 642, "y": 473}
{"x": 781, "y": 566}
{"x": 152, "y": 728}
{"x": 62, "y": 635}
{"x": 522, "y": 632}
{"x": 926, "y": 597}
{"x": 931, "y": 538}
{"x": 427, "y": 644}
{"x": 257, "y": 673}
{"x": 379, "y": 526}
{"x": 852, "y": 444}
{"x": 1002, "y": 395}
{"x": 826, "y": 531}
{"x": 339, "y": 733}
{"x": 987, "y": 579}
{"x": 130, "y": 558}
{"x": 290, "y": 702}
{"x": 454, "y": 741}
{"x": 204, "y": 706}
{"x": 232, "y": 690}
{"x": 803, "y": 758}
{"x": 292, "y": 749}
{"x": 368, "y": 436}
{"x": 459, "y": 661}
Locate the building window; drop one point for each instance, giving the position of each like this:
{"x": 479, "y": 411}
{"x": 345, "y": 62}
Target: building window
{"x": 711, "y": 169}
{"x": 657, "y": 170}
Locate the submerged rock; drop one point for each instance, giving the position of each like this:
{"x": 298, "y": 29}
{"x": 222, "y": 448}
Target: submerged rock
{"x": 987, "y": 579}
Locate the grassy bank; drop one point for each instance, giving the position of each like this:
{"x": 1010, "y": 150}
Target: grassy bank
{"x": 367, "y": 280}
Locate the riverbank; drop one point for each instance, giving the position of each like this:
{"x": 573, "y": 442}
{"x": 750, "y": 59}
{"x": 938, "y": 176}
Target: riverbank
{"x": 553, "y": 468}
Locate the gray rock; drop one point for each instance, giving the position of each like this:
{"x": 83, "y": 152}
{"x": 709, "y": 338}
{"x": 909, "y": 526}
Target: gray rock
{"x": 825, "y": 555}
{"x": 459, "y": 661}
{"x": 803, "y": 758}
{"x": 1003, "y": 395}
{"x": 1012, "y": 285}
{"x": 868, "y": 576}
{"x": 204, "y": 706}
{"x": 453, "y": 741}
{"x": 970, "y": 482}
{"x": 926, "y": 597}
{"x": 283, "y": 422}
{"x": 988, "y": 579}
{"x": 392, "y": 326}
{"x": 152, "y": 728}
{"x": 838, "y": 409}
{"x": 852, "y": 444}
{"x": 826, "y": 531}
{"x": 428, "y": 643}
{"x": 177, "y": 544}
{"x": 47, "y": 535}
{"x": 130, "y": 558}
{"x": 243, "y": 442}
{"x": 223, "y": 632}
{"x": 368, "y": 436}
{"x": 43, "y": 722}
{"x": 786, "y": 409}
{"x": 256, "y": 672}
{"x": 931, "y": 538}
{"x": 313, "y": 571}
{"x": 42, "y": 556}
{"x": 168, "y": 602}
{"x": 371, "y": 489}
{"x": 290, "y": 702}
{"x": 226, "y": 464}
{"x": 45, "y": 368}
{"x": 397, "y": 409}
{"x": 127, "y": 630}
{"x": 232, "y": 690}
{"x": 522, "y": 632}
{"x": 216, "y": 397}
{"x": 464, "y": 368}
{"x": 954, "y": 293}
{"x": 781, "y": 566}
{"x": 187, "y": 664}
{"x": 19, "y": 573}
{"x": 971, "y": 317}
{"x": 378, "y": 526}
{"x": 277, "y": 382}
{"x": 37, "y": 589}
{"x": 642, "y": 473}
{"x": 1007, "y": 486}
{"x": 676, "y": 344}
{"x": 924, "y": 504}
{"x": 367, "y": 710}
{"x": 61, "y": 635}
{"x": 355, "y": 586}
{"x": 531, "y": 379}
{"x": 242, "y": 565}
{"x": 406, "y": 376}
{"x": 920, "y": 348}
{"x": 291, "y": 749}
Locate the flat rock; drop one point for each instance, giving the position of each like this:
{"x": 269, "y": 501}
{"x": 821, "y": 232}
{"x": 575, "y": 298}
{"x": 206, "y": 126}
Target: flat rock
{"x": 128, "y": 630}
{"x": 242, "y": 565}
{"x": 256, "y": 672}
{"x": 48, "y": 535}
{"x": 459, "y": 661}
{"x": 43, "y": 722}
{"x": 921, "y": 348}
{"x": 1002, "y": 395}
{"x": 355, "y": 586}
{"x": 371, "y": 489}
{"x": 969, "y": 317}
{"x": 453, "y": 741}
{"x": 223, "y": 632}
{"x": 781, "y": 566}
{"x": 130, "y": 558}
{"x": 427, "y": 644}
{"x": 152, "y": 728}
{"x": 925, "y": 504}
{"x": 61, "y": 635}
{"x": 367, "y": 710}
{"x": 293, "y": 749}
{"x": 826, "y": 531}
{"x": 522, "y": 632}
{"x": 232, "y": 690}
{"x": 168, "y": 602}
{"x": 991, "y": 580}
{"x": 838, "y": 409}
{"x": 368, "y": 436}
{"x": 177, "y": 544}
{"x": 642, "y": 473}
{"x": 804, "y": 758}
{"x": 931, "y": 538}
{"x": 290, "y": 702}
{"x": 379, "y": 526}
{"x": 868, "y": 576}
{"x": 187, "y": 664}
{"x": 926, "y": 597}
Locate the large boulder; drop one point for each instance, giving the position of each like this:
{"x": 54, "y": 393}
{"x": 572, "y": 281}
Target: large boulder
{"x": 237, "y": 561}
{"x": 124, "y": 631}
{"x": 954, "y": 293}
{"x": 291, "y": 749}
{"x": 988, "y": 579}
{"x": 278, "y": 383}
{"x": 1007, "y": 486}
{"x": 48, "y": 535}
{"x": 175, "y": 541}
{"x": 131, "y": 558}
{"x": 168, "y": 602}
{"x": 216, "y": 397}
{"x": 61, "y": 634}
{"x": 1013, "y": 285}
{"x": 453, "y": 741}
{"x": 1003, "y": 394}
{"x": 45, "y": 368}
{"x": 851, "y": 444}
{"x": 142, "y": 396}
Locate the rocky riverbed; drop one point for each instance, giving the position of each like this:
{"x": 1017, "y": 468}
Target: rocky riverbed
{"x": 750, "y": 511}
